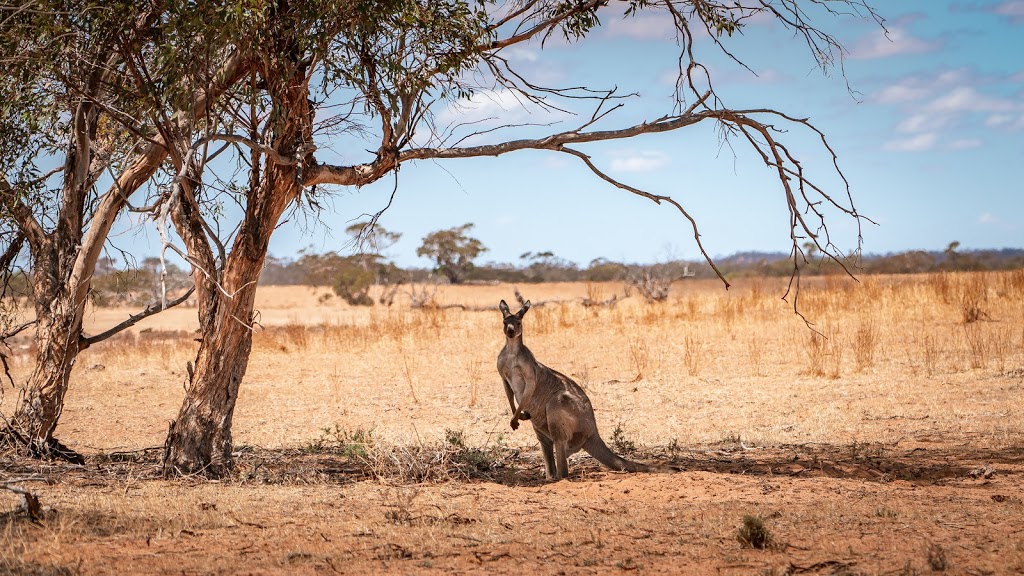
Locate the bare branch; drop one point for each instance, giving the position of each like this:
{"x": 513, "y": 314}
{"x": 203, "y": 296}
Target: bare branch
{"x": 15, "y": 331}
{"x": 154, "y": 308}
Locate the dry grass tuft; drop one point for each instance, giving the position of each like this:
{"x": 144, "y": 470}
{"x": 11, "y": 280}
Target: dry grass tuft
{"x": 824, "y": 354}
{"x": 972, "y": 297}
{"x": 865, "y": 342}
{"x": 755, "y": 354}
{"x": 693, "y": 354}
{"x": 753, "y": 533}
{"x": 640, "y": 355}
{"x": 937, "y": 558}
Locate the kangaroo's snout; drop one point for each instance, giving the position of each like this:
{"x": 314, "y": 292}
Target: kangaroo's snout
{"x": 510, "y": 330}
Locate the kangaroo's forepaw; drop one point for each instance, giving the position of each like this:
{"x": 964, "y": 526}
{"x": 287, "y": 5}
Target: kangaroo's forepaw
{"x": 514, "y": 423}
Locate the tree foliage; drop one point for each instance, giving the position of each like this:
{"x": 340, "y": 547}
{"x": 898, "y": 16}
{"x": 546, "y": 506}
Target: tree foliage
{"x": 453, "y": 250}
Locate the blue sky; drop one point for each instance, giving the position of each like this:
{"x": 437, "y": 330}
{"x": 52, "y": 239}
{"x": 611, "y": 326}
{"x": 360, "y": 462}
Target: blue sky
{"x": 931, "y": 139}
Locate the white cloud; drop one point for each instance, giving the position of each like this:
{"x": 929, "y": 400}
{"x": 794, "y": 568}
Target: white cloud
{"x": 953, "y": 106}
{"x": 1006, "y": 121}
{"x": 1012, "y": 9}
{"x": 916, "y": 88}
{"x": 968, "y": 99}
{"x": 639, "y": 161}
{"x": 919, "y": 123}
{"x": 965, "y": 144}
{"x": 490, "y": 110}
{"x": 901, "y": 93}
{"x": 643, "y": 27}
{"x": 897, "y": 42}
{"x": 987, "y": 218}
{"x": 917, "y": 143}
{"x": 521, "y": 54}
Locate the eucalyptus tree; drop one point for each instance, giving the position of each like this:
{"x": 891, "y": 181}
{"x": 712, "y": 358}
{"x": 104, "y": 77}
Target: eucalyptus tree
{"x": 453, "y": 250}
{"x": 127, "y": 90}
{"x": 75, "y": 117}
{"x": 389, "y": 66}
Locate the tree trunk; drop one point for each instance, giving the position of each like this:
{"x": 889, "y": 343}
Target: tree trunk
{"x": 199, "y": 439}
{"x": 58, "y": 330}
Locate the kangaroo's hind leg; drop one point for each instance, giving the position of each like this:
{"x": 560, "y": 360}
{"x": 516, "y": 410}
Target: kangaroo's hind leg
{"x": 561, "y": 459}
{"x": 547, "y": 447}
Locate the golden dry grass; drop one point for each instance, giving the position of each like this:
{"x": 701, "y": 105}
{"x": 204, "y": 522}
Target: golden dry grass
{"x": 905, "y": 379}
{"x": 711, "y": 364}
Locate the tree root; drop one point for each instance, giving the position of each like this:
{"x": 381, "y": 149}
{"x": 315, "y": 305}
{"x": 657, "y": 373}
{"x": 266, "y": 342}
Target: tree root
{"x": 49, "y": 449}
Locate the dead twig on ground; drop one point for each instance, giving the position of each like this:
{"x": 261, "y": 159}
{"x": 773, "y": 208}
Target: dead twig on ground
{"x": 30, "y": 505}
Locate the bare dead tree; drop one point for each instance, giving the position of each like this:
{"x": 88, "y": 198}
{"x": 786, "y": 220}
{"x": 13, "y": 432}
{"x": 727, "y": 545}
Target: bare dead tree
{"x": 653, "y": 286}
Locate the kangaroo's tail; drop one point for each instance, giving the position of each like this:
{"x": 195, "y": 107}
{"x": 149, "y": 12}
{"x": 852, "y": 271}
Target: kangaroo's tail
{"x": 596, "y": 447}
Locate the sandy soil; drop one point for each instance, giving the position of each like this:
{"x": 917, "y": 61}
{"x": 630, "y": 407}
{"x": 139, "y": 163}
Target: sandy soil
{"x": 828, "y": 512}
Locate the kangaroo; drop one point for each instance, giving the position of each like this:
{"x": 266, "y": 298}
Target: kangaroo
{"x": 559, "y": 409}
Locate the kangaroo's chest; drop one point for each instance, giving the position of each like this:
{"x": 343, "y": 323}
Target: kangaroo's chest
{"x": 513, "y": 372}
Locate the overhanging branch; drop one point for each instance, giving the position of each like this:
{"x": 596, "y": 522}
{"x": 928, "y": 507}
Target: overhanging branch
{"x": 657, "y": 199}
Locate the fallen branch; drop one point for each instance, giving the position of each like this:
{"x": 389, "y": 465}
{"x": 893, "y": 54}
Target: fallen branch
{"x": 592, "y": 303}
{"x": 29, "y": 501}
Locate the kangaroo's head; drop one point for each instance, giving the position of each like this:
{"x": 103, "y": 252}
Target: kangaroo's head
{"x": 513, "y": 322}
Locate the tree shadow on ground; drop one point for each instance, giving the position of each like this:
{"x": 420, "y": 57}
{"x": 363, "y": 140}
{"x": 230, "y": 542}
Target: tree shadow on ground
{"x": 874, "y": 462}
{"x": 512, "y": 467}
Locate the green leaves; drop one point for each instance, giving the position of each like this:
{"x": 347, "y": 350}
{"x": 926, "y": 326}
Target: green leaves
{"x": 453, "y": 250}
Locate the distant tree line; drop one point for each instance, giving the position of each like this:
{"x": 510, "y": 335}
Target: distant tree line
{"x": 351, "y": 274}
{"x": 545, "y": 267}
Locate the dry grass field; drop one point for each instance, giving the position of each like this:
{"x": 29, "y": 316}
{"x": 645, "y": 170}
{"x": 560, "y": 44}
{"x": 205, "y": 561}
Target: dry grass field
{"x": 377, "y": 439}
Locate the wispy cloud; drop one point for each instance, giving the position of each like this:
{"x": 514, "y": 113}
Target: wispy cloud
{"x": 521, "y": 54}
{"x": 1012, "y": 122}
{"x": 897, "y": 42}
{"x": 1011, "y": 9}
{"x": 917, "y": 123}
{"x": 918, "y": 143}
{"x": 937, "y": 109}
{"x": 490, "y": 110}
{"x": 968, "y": 99}
{"x": 643, "y": 27}
{"x": 901, "y": 93}
{"x": 965, "y": 144}
{"x": 638, "y": 161}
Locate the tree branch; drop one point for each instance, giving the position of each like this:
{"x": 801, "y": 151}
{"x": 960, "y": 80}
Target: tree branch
{"x": 654, "y": 198}
{"x": 154, "y": 308}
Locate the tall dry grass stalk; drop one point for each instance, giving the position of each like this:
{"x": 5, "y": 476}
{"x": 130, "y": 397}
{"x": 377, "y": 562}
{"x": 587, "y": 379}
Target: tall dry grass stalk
{"x": 977, "y": 344}
{"x": 972, "y": 296}
{"x": 640, "y": 354}
{"x": 693, "y": 354}
{"x": 930, "y": 355}
{"x": 824, "y": 354}
{"x": 755, "y": 353}
{"x": 865, "y": 342}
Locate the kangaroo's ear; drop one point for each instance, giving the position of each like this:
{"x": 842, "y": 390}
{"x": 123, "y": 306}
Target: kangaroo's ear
{"x": 504, "y": 309}
{"x": 526, "y": 306}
